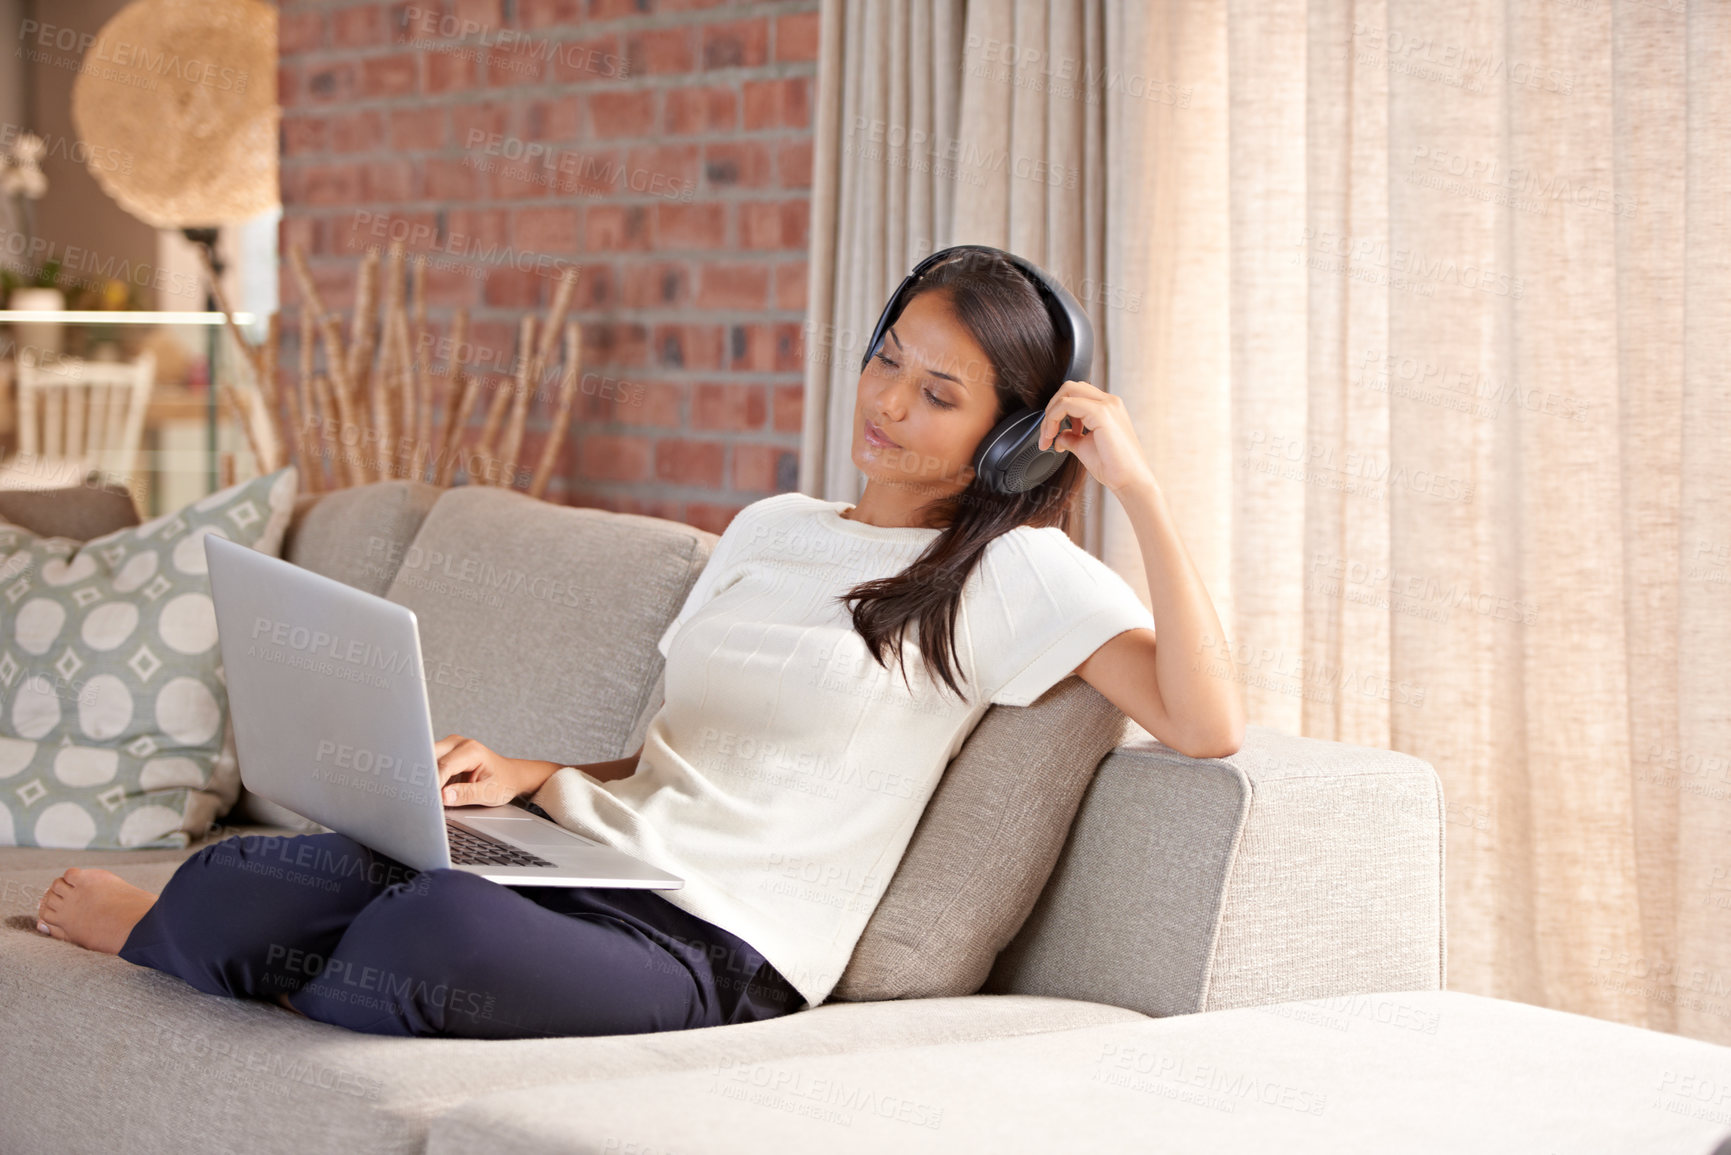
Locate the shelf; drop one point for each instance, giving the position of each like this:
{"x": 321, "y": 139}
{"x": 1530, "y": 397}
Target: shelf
{"x": 118, "y": 317}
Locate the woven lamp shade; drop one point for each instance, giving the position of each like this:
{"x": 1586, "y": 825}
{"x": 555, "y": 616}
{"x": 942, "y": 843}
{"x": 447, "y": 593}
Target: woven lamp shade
{"x": 187, "y": 90}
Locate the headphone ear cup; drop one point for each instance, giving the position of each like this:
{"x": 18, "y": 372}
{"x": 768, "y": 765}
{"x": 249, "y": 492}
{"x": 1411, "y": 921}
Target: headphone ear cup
{"x": 1010, "y": 459}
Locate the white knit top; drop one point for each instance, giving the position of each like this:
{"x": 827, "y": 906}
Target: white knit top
{"x": 784, "y": 774}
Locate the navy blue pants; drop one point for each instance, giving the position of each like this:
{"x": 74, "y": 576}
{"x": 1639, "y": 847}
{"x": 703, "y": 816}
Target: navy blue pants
{"x": 356, "y": 938}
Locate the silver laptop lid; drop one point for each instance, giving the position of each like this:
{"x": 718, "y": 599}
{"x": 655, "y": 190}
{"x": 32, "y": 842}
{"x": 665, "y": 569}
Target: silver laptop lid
{"x": 328, "y": 696}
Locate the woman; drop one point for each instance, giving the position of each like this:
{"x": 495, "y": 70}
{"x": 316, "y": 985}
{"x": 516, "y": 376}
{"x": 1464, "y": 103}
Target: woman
{"x": 785, "y": 771}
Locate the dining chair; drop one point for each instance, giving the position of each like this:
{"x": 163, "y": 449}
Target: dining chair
{"x": 76, "y": 416}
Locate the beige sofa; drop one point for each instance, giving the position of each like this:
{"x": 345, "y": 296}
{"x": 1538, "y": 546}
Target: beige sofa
{"x": 1244, "y": 954}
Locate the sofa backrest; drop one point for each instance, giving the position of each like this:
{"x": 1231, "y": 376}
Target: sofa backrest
{"x": 538, "y": 622}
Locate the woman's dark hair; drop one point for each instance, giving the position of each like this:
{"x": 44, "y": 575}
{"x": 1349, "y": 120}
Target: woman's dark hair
{"x": 1001, "y": 308}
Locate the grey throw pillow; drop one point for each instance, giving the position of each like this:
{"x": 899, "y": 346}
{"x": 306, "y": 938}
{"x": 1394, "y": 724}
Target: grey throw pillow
{"x": 984, "y": 847}
{"x": 115, "y": 729}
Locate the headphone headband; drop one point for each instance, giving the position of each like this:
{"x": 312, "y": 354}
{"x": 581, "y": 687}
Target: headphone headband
{"x": 1068, "y": 318}
{"x": 1009, "y": 459}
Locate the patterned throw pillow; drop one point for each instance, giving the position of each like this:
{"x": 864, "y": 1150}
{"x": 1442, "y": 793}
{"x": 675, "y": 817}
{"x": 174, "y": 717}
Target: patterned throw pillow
{"x": 114, "y": 730}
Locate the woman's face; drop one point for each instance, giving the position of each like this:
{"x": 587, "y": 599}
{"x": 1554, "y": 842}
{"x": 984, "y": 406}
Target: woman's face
{"x": 931, "y": 391}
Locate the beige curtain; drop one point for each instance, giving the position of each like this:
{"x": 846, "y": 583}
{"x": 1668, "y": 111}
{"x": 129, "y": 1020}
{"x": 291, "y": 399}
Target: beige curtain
{"x": 1423, "y": 312}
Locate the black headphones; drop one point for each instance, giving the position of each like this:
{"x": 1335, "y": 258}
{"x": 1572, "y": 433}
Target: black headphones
{"x": 1009, "y": 459}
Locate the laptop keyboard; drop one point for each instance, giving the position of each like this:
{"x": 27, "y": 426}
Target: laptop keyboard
{"x": 470, "y": 849}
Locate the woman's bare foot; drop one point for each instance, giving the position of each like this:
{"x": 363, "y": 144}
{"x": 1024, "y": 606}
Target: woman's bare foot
{"x": 284, "y": 1000}
{"x": 95, "y": 909}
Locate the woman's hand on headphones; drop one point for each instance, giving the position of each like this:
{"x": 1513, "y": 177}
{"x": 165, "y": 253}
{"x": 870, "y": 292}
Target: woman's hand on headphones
{"x": 1099, "y": 434}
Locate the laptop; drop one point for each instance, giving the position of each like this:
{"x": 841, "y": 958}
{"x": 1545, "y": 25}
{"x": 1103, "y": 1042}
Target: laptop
{"x": 328, "y": 696}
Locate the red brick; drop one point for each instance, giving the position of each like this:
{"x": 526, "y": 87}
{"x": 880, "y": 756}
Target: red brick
{"x": 560, "y": 119}
{"x": 288, "y": 85}
{"x": 736, "y": 44}
{"x": 449, "y": 287}
{"x": 515, "y": 64}
{"x": 511, "y": 288}
{"x": 448, "y": 72}
{"x": 597, "y": 290}
{"x": 737, "y": 164}
{"x": 685, "y": 461}
{"x": 516, "y": 180}
{"x": 614, "y": 457}
{"x": 751, "y": 348}
{"x": 493, "y": 346}
{"x": 705, "y": 109}
{"x": 303, "y": 134}
{"x": 660, "y": 51}
{"x": 793, "y": 161}
{"x": 791, "y": 287}
{"x": 683, "y": 346}
{"x": 729, "y": 286}
{"x": 417, "y": 22}
{"x": 691, "y": 226}
{"x": 789, "y": 347}
{"x": 473, "y": 124}
{"x": 737, "y": 408}
{"x": 780, "y": 103}
{"x": 378, "y": 228}
{"x": 657, "y": 170}
{"x": 335, "y": 283}
{"x": 581, "y": 61}
{"x": 466, "y": 229}
{"x": 625, "y": 344}
{"x": 357, "y": 132}
{"x": 327, "y": 184}
{"x": 330, "y": 82}
{"x": 617, "y": 114}
{"x": 797, "y": 36}
{"x": 647, "y": 404}
{"x": 443, "y": 179}
{"x": 774, "y": 224}
{"x": 361, "y": 26}
{"x": 417, "y": 129}
{"x": 549, "y": 13}
{"x": 545, "y": 230}
{"x": 299, "y": 31}
{"x": 571, "y": 173}
{"x": 616, "y": 228}
{"x": 297, "y": 231}
{"x": 706, "y": 515}
{"x": 393, "y": 75}
{"x": 660, "y": 285}
{"x": 388, "y": 180}
{"x": 758, "y": 468}
{"x": 487, "y": 13}
{"x": 789, "y": 405}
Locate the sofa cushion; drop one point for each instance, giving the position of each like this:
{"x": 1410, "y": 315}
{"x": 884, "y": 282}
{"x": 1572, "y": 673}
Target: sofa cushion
{"x": 359, "y": 535}
{"x": 1422, "y": 1073}
{"x": 79, "y": 512}
{"x": 538, "y": 621}
{"x": 984, "y": 846}
{"x": 157, "y": 1066}
{"x": 116, "y": 732}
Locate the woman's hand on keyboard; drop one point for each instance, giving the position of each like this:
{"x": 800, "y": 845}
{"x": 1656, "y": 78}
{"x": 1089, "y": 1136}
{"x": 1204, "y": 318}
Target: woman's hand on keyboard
{"x": 470, "y": 774}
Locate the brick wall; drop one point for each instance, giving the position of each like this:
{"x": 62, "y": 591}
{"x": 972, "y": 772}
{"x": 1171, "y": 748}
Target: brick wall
{"x": 664, "y": 148}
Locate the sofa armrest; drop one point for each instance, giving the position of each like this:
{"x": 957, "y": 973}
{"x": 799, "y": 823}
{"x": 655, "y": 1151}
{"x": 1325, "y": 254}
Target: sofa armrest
{"x": 1295, "y": 869}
